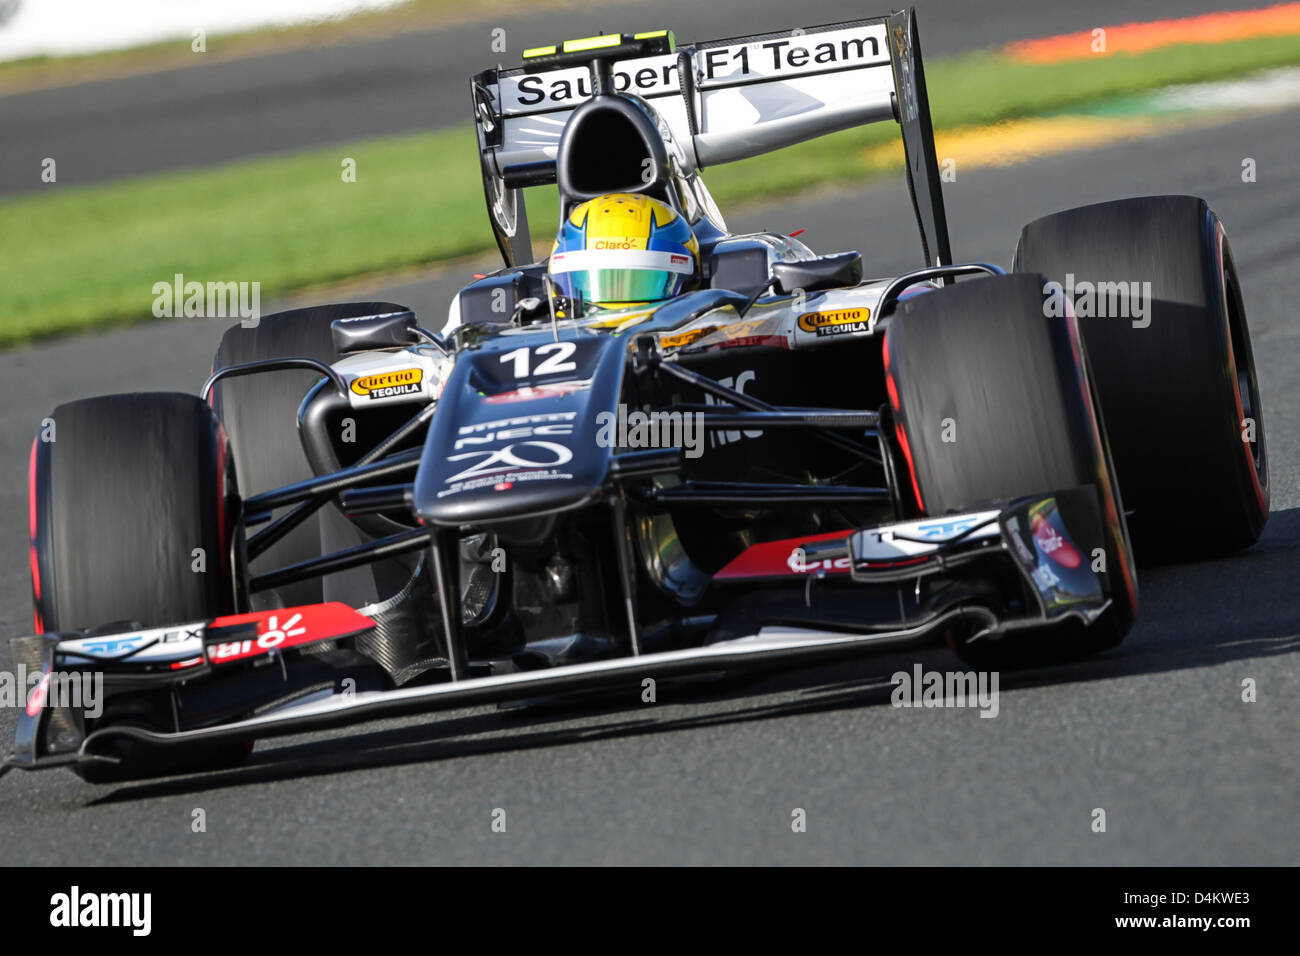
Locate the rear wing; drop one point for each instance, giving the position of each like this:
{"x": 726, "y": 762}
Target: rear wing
{"x": 722, "y": 101}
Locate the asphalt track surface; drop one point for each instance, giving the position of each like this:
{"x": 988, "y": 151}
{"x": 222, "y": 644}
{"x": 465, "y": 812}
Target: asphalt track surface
{"x": 296, "y": 99}
{"x": 1155, "y": 732}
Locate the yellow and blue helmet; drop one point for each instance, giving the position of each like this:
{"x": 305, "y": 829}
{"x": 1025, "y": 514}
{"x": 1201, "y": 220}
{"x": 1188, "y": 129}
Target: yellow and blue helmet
{"x": 623, "y": 250}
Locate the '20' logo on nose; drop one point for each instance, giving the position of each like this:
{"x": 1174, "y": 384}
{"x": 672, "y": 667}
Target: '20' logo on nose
{"x": 520, "y": 454}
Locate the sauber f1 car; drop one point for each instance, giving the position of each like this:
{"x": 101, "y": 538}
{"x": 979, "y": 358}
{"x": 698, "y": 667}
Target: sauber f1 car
{"x": 664, "y": 450}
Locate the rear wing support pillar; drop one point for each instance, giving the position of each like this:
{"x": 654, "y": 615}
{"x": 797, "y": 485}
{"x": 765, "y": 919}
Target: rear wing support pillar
{"x": 912, "y": 106}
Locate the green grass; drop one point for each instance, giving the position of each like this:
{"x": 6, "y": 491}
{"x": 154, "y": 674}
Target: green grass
{"x": 74, "y": 258}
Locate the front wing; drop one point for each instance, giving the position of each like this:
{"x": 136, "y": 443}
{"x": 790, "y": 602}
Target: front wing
{"x": 1057, "y": 565}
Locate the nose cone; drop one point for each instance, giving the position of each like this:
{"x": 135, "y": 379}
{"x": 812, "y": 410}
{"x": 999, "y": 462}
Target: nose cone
{"x": 516, "y": 431}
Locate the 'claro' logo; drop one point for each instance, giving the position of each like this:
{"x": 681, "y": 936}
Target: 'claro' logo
{"x": 619, "y": 244}
{"x": 835, "y": 321}
{"x": 389, "y": 384}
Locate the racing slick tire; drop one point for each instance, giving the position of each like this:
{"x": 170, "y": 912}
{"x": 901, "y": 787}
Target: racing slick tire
{"x": 260, "y": 413}
{"x": 992, "y": 401}
{"x": 125, "y": 491}
{"x": 1177, "y": 383}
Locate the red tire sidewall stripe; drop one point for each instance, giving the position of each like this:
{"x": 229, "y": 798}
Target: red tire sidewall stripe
{"x": 33, "y": 524}
{"x": 1107, "y": 485}
{"x": 892, "y": 388}
{"x": 1220, "y": 237}
{"x": 39, "y": 522}
{"x": 222, "y": 536}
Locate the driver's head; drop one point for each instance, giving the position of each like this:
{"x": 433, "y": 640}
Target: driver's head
{"x": 622, "y": 250}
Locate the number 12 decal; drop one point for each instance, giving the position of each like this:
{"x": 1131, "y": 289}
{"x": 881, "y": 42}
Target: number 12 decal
{"x": 560, "y": 353}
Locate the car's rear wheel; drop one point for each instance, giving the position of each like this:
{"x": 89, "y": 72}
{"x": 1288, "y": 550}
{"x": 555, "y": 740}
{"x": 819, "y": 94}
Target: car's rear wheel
{"x": 992, "y": 401}
{"x": 260, "y": 413}
{"x": 1177, "y": 382}
{"x": 132, "y": 499}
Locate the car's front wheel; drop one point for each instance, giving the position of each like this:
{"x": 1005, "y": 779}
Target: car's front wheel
{"x": 992, "y": 401}
{"x": 132, "y": 499}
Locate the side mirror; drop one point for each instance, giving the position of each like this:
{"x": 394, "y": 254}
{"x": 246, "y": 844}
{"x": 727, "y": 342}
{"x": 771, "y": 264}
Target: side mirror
{"x": 812, "y": 275}
{"x": 361, "y": 332}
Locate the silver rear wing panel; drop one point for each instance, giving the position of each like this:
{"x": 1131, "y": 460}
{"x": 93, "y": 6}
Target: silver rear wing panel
{"x": 722, "y": 101}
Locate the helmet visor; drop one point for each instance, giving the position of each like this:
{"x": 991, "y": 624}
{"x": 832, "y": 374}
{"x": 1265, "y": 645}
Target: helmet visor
{"x": 601, "y": 276}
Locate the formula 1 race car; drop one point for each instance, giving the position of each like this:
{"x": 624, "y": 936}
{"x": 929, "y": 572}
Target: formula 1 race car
{"x": 665, "y": 450}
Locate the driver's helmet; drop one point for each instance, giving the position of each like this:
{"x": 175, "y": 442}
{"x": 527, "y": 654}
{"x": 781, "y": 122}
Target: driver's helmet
{"x": 624, "y": 250}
